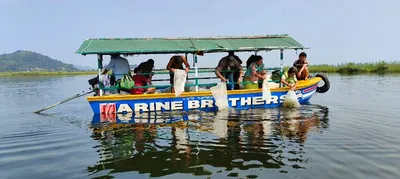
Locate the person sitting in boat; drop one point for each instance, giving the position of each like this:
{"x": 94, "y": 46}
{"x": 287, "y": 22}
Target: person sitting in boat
{"x": 302, "y": 64}
{"x": 176, "y": 62}
{"x": 289, "y": 78}
{"x": 255, "y": 71}
{"x": 252, "y": 59}
{"x": 225, "y": 66}
{"x": 140, "y": 80}
{"x": 118, "y": 65}
{"x": 146, "y": 69}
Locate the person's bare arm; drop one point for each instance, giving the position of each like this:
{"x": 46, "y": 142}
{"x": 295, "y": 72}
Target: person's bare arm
{"x": 286, "y": 83}
{"x": 303, "y": 67}
{"x": 186, "y": 64}
{"x": 218, "y": 71}
{"x": 169, "y": 68}
{"x": 294, "y": 86}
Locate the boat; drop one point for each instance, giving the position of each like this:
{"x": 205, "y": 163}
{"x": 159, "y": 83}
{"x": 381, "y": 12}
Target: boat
{"x": 198, "y": 99}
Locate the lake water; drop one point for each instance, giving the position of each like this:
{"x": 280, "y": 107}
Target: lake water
{"x": 352, "y": 131}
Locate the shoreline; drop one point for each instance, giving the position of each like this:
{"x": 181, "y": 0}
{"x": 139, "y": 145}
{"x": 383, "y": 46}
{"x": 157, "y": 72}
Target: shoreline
{"x": 345, "y": 68}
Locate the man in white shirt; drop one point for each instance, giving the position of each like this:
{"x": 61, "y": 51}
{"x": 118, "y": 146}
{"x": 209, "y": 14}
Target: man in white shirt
{"x": 118, "y": 65}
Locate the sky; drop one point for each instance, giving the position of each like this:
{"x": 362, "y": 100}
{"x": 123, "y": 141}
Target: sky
{"x": 336, "y": 31}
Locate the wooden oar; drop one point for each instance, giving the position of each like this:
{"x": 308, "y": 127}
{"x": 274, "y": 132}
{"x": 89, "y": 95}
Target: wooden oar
{"x": 68, "y": 99}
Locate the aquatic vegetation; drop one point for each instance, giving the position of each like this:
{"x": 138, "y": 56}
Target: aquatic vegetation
{"x": 377, "y": 67}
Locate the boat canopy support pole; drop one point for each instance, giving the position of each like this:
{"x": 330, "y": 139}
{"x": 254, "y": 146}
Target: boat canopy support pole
{"x": 196, "y": 71}
{"x": 281, "y": 66}
{"x": 100, "y": 67}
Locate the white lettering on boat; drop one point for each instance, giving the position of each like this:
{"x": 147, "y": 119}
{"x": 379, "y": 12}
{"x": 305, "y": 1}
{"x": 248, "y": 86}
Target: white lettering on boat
{"x": 201, "y": 103}
{"x": 193, "y": 104}
{"x": 234, "y": 101}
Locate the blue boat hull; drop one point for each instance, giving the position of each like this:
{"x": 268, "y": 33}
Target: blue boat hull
{"x": 240, "y": 99}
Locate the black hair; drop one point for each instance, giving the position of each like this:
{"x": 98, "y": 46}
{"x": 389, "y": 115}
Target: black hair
{"x": 303, "y": 54}
{"x": 136, "y": 70}
{"x": 177, "y": 59}
{"x": 258, "y": 57}
{"x": 292, "y": 70}
{"x": 253, "y": 58}
{"x": 151, "y": 61}
{"x": 114, "y": 55}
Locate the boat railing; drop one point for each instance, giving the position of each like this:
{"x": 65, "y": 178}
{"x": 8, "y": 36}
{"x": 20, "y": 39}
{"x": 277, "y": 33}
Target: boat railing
{"x": 203, "y": 70}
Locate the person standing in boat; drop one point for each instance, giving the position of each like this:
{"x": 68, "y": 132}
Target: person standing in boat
{"x": 225, "y": 66}
{"x": 255, "y": 71}
{"x": 119, "y": 67}
{"x": 302, "y": 64}
{"x": 176, "y": 62}
{"x": 289, "y": 78}
{"x": 236, "y": 74}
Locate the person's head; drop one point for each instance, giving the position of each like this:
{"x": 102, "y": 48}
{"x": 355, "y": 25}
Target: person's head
{"x": 231, "y": 53}
{"x": 258, "y": 60}
{"x": 151, "y": 62}
{"x": 292, "y": 71}
{"x": 231, "y": 61}
{"x": 302, "y": 56}
{"x": 114, "y": 55}
{"x": 177, "y": 59}
{"x": 136, "y": 70}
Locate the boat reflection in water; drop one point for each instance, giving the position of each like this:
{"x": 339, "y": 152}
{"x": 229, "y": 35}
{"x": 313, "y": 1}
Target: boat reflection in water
{"x": 205, "y": 143}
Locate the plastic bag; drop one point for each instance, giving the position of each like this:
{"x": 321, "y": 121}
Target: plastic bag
{"x": 220, "y": 95}
{"x": 291, "y": 100}
{"x": 127, "y": 82}
{"x": 105, "y": 80}
{"x": 179, "y": 81}
{"x": 266, "y": 92}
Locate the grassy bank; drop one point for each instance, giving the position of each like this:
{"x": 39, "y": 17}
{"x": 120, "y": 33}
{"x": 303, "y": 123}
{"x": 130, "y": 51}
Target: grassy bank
{"x": 378, "y": 67}
{"x": 47, "y": 73}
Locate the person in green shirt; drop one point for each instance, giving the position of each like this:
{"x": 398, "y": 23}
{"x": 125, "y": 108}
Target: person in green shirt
{"x": 289, "y": 78}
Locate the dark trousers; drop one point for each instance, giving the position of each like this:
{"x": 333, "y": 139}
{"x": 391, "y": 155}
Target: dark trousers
{"x": 230, "y": 77}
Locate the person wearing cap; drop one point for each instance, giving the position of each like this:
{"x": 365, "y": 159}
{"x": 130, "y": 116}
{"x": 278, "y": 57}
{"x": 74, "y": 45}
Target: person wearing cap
{"x": 176, "y": 62}
{"x": 302, "y": 65}
{"x": 236, "y": 74}
{"x": 225, "y": 69}
{"x": 232, "y": 54}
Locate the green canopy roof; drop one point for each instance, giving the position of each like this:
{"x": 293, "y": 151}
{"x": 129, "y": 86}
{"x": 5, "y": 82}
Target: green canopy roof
{"x": 187, "y": 45}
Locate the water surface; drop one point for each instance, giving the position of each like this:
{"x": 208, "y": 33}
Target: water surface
{"x": 350, "y": 132}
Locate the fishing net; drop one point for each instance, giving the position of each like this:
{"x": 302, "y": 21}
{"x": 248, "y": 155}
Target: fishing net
{"x": 179, "y": 81}
{"x": 220, "y": 95}
{"x": 266, "y": 92}
{"x": 291, "y": 100}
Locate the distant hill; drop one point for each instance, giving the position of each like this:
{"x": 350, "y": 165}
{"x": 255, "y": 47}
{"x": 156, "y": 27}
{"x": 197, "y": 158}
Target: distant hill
{"x": 31, "y": 61}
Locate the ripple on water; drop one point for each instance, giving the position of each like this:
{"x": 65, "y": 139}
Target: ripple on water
{"x": 209, "y": 143}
